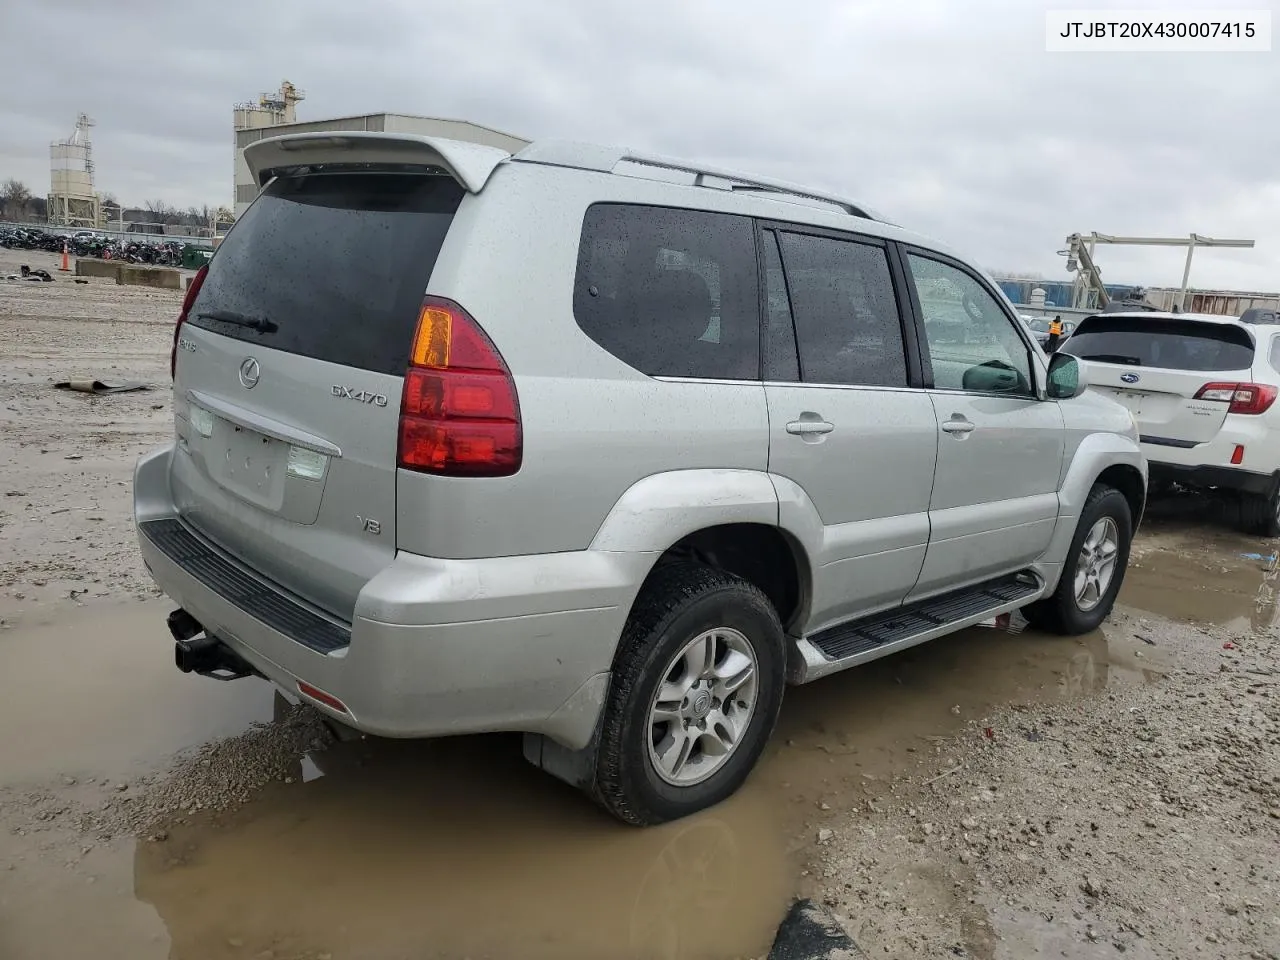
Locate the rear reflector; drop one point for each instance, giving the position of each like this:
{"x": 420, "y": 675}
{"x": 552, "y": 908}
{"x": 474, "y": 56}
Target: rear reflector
{"x": 459, "y": 414}
{"x": 1237, "y": 455}
{"x": 319, "y": 696}
{"x": 1246, "y": 398}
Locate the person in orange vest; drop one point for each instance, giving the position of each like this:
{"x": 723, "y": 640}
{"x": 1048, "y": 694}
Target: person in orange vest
{"x": 1055, "y": 334}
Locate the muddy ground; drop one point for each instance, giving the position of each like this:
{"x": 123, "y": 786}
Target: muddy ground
{"x": 992, "y": 795}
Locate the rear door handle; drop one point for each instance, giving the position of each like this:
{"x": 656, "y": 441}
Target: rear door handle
{"x": 960, "y": 426}
{"x": 807, "y": 428}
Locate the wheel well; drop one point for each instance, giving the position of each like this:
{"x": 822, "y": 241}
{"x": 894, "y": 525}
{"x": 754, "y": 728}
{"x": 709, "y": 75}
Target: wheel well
{"x": 1128, "y": 481}
{"x": 760, "y": 554}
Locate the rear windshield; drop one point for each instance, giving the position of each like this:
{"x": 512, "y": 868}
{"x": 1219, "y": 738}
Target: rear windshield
{"x": 1155, "y": 342}
{"x": 332, "y": 266}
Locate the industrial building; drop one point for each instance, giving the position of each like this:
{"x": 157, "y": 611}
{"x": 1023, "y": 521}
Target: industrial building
{"x": 274, "y": 116}
{"x": 72, "y": 200}
{"x": 1060, "y": 296}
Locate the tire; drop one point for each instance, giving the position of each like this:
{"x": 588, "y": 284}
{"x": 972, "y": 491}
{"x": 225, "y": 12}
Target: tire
{"x": 1062, "y": 612}
{"x": 1260, "y": 515}
{"x": 681, "y": 603}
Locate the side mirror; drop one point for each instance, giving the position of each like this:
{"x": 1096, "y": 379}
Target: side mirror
{"x": 993, "y": 376}
{"x": 1066, "y": 379}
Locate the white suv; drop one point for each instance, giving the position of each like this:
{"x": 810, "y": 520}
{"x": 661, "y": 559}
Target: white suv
{"x": 1202, "y": 389}
{"x": 605, "y": 448}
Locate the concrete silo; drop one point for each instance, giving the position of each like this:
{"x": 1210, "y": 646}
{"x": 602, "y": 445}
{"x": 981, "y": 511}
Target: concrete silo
{"x": 271, "y": 110}
{"x": 72, "y": 200}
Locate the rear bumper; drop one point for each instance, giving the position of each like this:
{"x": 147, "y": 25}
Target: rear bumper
{"x": 1209, "y": 464}
{"x": 437, "y": 647}
{"x": 1224, "y": 478}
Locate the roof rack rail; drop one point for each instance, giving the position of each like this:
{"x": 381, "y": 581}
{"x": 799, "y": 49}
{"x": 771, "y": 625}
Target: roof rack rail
{"x": 586, "y": 156}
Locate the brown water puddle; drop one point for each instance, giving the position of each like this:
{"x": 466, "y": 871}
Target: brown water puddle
{"x": 457, "y": 848}
{"x": 1204, "y": 575}
{"x": 95, "y": 693}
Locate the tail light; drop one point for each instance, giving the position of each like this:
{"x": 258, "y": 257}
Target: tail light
{"x": 192, "y": 291}
{"x": 459, "y": 415}
{"x": 1248, "y": 398}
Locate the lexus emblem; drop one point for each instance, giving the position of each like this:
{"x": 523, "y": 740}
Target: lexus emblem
{"x": 1130, "y": 377}
{"x": 250, "y": 373}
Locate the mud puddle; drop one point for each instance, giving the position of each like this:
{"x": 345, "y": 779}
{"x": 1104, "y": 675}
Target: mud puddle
{"x": 95, "y": 693}
{"x": 842, "y": 740}
{"x": 456, "y": 848}
{"x": 1203, "y": 574}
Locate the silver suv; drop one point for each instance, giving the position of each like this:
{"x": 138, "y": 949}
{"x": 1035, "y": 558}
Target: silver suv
{"x": 607, "y": 449}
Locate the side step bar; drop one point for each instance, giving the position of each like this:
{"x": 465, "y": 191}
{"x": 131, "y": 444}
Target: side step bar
{"x": 858, "y": 641}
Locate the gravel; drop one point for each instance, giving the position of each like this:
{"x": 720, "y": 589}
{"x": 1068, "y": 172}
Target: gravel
{"x": 1145, "y": 821}
{"x": 213, "y": 779}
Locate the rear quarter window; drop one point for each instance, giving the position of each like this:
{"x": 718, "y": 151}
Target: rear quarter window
{"x": 1164, "y": 343}
{"x": 1274, "y": 357}
{"x": 671, "y": 293}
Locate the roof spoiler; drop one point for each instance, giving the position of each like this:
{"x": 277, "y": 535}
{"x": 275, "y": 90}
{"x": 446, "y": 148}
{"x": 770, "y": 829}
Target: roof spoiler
{"x": 1260, "y": 315}
{"x": 471, "y": 164}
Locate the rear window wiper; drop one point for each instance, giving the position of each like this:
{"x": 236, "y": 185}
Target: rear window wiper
{"x": 261, "y": 324}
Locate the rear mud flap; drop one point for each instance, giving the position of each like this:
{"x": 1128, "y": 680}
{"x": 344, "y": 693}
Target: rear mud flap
{"x": 575, "y": 767}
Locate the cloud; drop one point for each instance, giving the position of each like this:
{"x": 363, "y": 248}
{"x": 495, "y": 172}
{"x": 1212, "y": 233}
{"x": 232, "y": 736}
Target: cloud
{"x": 949, "y": 117}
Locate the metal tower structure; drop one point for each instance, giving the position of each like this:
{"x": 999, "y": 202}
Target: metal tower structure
{"x": 72, "y": 200}
{"x": 1079, "y": 254}
{"x": 272, "y": 109}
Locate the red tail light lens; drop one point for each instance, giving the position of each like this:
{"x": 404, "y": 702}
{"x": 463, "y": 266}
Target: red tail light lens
{"x": 459, "y": 414}
{"x": 192, "y": 291}
{"x": 1246, "y": 398}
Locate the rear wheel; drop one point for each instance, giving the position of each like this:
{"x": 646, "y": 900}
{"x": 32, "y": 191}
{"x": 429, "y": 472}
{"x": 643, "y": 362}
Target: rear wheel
{"x": 696, "y": 691}
{"x": 1260, "y": 514}
{"x": 1094, "y": 569}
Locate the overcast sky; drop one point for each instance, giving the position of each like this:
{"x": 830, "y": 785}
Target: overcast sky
{"x": 949, "y": 117}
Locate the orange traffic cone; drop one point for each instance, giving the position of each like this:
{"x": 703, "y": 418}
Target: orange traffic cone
{"x": 66, "y": 264}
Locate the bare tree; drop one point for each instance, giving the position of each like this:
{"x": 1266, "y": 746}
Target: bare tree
{"x": 15, "y": 197}
{"x": 160, "y": 211}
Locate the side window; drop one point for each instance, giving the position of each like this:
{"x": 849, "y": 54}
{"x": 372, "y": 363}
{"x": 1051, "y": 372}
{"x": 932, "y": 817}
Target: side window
{"x": 847, "y": 322}
{"x": 672, "y": 293}
{"x": 1274, "y": 356}
{"x": 780, "y": 338}
{"x": 973, "y": 344}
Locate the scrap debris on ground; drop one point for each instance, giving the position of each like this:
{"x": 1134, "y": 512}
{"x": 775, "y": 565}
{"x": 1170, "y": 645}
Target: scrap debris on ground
{"x": 1143, "y": 821}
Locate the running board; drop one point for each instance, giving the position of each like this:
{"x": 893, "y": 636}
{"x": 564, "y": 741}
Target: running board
{"x": 858, "y": 641}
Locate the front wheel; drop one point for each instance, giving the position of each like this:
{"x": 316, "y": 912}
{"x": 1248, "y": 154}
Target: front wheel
{"x": 1094, "y": 569}
{"x": 697, "y": 686}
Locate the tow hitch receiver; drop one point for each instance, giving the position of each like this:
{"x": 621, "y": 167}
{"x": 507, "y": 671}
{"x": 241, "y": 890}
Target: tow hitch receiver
{"x": 196, "y": 652}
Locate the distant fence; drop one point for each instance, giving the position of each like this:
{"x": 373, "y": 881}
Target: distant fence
{"x": 1058, "y": 298}
{"x": 112, "y": 234}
